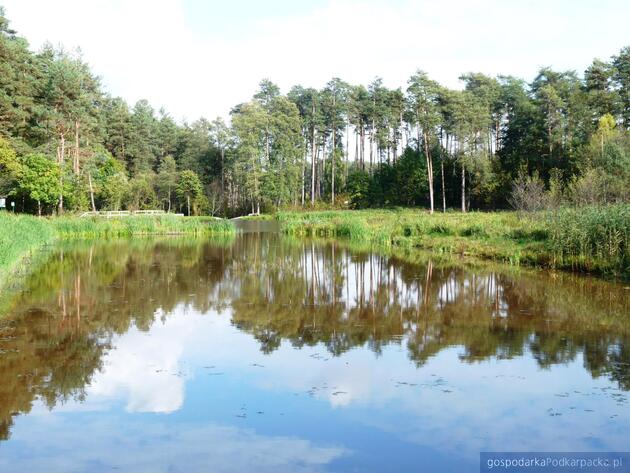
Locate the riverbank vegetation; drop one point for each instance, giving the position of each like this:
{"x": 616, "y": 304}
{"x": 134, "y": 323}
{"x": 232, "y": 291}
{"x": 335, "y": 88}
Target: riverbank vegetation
{"x": 68, "y": 228}
{"x": 22, "y": 235}
{"x": 591, "y": 239}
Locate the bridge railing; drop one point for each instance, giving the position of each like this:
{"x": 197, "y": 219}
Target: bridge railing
{"x": 123, "y": 213}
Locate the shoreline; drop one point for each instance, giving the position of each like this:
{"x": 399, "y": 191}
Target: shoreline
{"x": 504, "y": 238}
{"x": 542, "y": 240}
{"x": 24, "y": 236}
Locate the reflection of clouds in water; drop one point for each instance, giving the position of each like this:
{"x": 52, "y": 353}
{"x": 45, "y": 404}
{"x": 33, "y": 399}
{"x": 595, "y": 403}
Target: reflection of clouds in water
{"x": 464, "y": 408}
{"x": 145, "y": 367}
{"x": 491, "y": 405}
{"x": 157, "y": 447}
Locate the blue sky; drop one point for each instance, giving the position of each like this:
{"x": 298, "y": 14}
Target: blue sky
{"x": 199, "y": 58}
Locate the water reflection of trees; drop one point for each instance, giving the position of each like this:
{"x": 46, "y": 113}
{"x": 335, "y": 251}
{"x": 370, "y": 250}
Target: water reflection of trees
{"x": 53, "y": 340}
{"x": 57, "y": 330}
{"x": 325, "y": 294}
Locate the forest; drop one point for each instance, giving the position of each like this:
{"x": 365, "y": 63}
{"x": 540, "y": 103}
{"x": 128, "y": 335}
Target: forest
{"x": 66, "y": 145}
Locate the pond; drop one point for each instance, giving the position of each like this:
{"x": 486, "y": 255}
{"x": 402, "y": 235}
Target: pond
{"x": 268, "y": 354}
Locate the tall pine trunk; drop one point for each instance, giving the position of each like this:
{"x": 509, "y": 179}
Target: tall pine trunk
{"x": 304, "y": 174}
{"x": 356, "y": 147}
{"x": 345, "y": 179}
{"x": 463, "y": 188}
{"x": 61, "y": 152}
{"x": 332, "y": 165}
{"x": 75, "y": 162}
{"x": 222, "y": 174}
{"x": 362, "y": 150}
{"x": 443, "y": 186}
{"x": 429, "y": 167}
{"x": 313, "y": 158}
{"x": 442, "y": 168}
{"x": 91, "y": 191}
{"x": 372, "y": 146}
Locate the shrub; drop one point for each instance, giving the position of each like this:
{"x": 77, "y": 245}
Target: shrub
{"x": 528, "y": 193}
{"x": 596, "y": 187}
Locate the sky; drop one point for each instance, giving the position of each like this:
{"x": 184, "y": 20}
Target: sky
{"x": 200, "y": 58}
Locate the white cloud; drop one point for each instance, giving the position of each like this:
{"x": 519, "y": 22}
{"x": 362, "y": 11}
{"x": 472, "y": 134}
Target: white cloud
{"x": 150, "y": 49}
{"x": 59, "y": 446}
{"x": 146, "y": 368}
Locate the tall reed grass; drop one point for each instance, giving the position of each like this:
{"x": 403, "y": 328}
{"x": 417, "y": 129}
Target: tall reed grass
{"x": 21, "y": 235}
{"x": 590, "y": 239}
{"x": 91, "y": 227}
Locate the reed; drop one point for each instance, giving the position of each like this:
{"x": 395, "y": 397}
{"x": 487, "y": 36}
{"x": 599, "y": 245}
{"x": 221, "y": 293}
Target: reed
{"x": 93, "y": 227}
{"x": 22, "y": 235}
{"x": 594, "y": 239}
{"x": 589, "y": 239}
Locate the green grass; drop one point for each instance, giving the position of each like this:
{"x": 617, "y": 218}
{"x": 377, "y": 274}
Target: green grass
{"x": 587, "y": 239}
{"x": 22, "y": 235}
{"x": 92, "y": 227}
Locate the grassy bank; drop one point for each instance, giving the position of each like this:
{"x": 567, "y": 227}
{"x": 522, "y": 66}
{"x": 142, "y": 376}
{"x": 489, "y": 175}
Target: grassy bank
{"x": 72, "y": 227}
{"x": 22, "y": 235}
{"x": 593, "y": 240}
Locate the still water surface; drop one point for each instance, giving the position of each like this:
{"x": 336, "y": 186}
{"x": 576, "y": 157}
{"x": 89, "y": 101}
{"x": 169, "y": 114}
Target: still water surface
{"x": 267, "y": 354}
